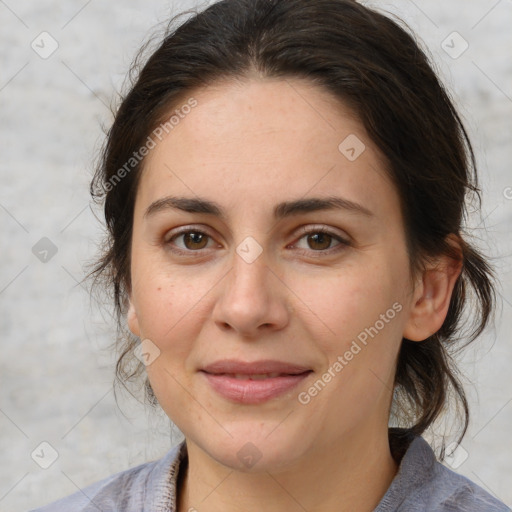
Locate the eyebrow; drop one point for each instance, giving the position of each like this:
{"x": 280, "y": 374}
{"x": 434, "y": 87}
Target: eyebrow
{"x": 281, "y": 210}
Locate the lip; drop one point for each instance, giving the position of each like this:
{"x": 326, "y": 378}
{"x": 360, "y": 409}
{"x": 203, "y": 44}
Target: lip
{"x": 233, "y": 366}
{"x": 221, "y": 377}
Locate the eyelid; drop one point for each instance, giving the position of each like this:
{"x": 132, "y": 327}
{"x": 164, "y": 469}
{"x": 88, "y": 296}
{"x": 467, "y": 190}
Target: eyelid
{"x": 320, "y": 228}
{"x": 182, "y": 230}
{"x": 343, "y": 240}
{"x": 186, "y": 229}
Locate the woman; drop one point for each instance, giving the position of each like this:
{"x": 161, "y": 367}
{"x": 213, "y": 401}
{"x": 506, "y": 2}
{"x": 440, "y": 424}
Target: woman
{"x": 285, "y": 186}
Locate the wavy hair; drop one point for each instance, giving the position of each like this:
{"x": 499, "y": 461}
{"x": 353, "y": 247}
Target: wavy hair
{"x": 370, "y": 63}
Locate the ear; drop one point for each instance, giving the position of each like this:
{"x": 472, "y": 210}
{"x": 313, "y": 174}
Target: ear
{"x": 432, "y": 295}
{"x": 132, "y": 320}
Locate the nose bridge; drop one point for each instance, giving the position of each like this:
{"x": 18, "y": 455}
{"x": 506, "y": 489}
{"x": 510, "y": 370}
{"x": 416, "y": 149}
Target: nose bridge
{"x": 249, "y": 279}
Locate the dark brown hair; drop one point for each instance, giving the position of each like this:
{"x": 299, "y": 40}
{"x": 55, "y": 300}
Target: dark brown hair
{"x": 374, "y": 66}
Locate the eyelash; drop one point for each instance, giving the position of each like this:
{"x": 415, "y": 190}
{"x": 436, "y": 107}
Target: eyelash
{"x": 343, "y": 243}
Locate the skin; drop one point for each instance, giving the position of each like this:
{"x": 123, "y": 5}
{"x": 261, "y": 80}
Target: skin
{"x": 249, "y": 146}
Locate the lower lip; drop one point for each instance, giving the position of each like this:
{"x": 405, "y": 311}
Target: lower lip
{"x": 245, "y": 391}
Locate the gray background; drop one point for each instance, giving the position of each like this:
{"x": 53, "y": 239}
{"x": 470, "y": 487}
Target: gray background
{"x": 56, "y": 369}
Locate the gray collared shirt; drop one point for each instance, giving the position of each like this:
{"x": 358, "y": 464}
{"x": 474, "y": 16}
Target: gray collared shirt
{"x": 421, "y": 484}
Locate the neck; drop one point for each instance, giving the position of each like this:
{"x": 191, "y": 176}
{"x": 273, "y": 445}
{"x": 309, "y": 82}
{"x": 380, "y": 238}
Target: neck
{"x": 353, "y": 474}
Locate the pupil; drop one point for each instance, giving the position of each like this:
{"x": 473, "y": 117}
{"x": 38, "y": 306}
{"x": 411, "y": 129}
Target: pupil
{"x": 320, "y": 238}
{"x": 195, "y": 238}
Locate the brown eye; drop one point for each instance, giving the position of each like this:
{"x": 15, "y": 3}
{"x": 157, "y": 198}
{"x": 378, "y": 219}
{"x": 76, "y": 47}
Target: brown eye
{"x": 194, "y": 240}
{"x": 188, "y": 241}
{"x": 319, "y": 241}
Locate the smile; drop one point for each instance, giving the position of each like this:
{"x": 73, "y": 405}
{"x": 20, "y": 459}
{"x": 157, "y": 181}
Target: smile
{"x": 254, "y": 388}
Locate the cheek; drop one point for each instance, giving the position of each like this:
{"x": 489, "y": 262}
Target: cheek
{"x": 344, "y": 303}
{"x": 171, "y": 308}
{"x": 161, "y": 302}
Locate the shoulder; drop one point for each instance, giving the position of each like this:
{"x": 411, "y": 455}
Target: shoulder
{"x": 149, "y": 484}
{"x": 424, "y": 484}
{"x": 450, "y": 492}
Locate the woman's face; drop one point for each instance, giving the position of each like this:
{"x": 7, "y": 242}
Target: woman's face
{"x": 267, "y": 270}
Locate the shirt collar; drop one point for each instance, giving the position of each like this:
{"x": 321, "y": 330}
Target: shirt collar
{"x": 161, "y": 490}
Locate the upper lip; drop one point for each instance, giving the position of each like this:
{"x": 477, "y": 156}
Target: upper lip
{"x": 233, "y": 366}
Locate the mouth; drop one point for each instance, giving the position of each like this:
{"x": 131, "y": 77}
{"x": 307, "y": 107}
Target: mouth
{"x": 253, "y": 383}
{"x": 261, "y": 376}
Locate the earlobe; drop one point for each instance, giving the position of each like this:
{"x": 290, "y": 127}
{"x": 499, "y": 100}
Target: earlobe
{"x": 432, "y": 300}
{"x": 132, "y": 320}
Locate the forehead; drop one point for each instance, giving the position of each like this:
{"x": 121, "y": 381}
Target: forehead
{"x": 268, "y": 137}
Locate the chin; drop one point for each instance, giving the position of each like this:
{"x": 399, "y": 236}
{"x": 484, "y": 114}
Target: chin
{"x": 248, "y": 452}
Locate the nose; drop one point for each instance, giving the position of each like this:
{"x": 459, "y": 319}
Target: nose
{"x": 252, "y": 299}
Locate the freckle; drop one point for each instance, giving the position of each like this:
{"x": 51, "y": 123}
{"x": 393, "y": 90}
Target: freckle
{"x": 159, "y": 288}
